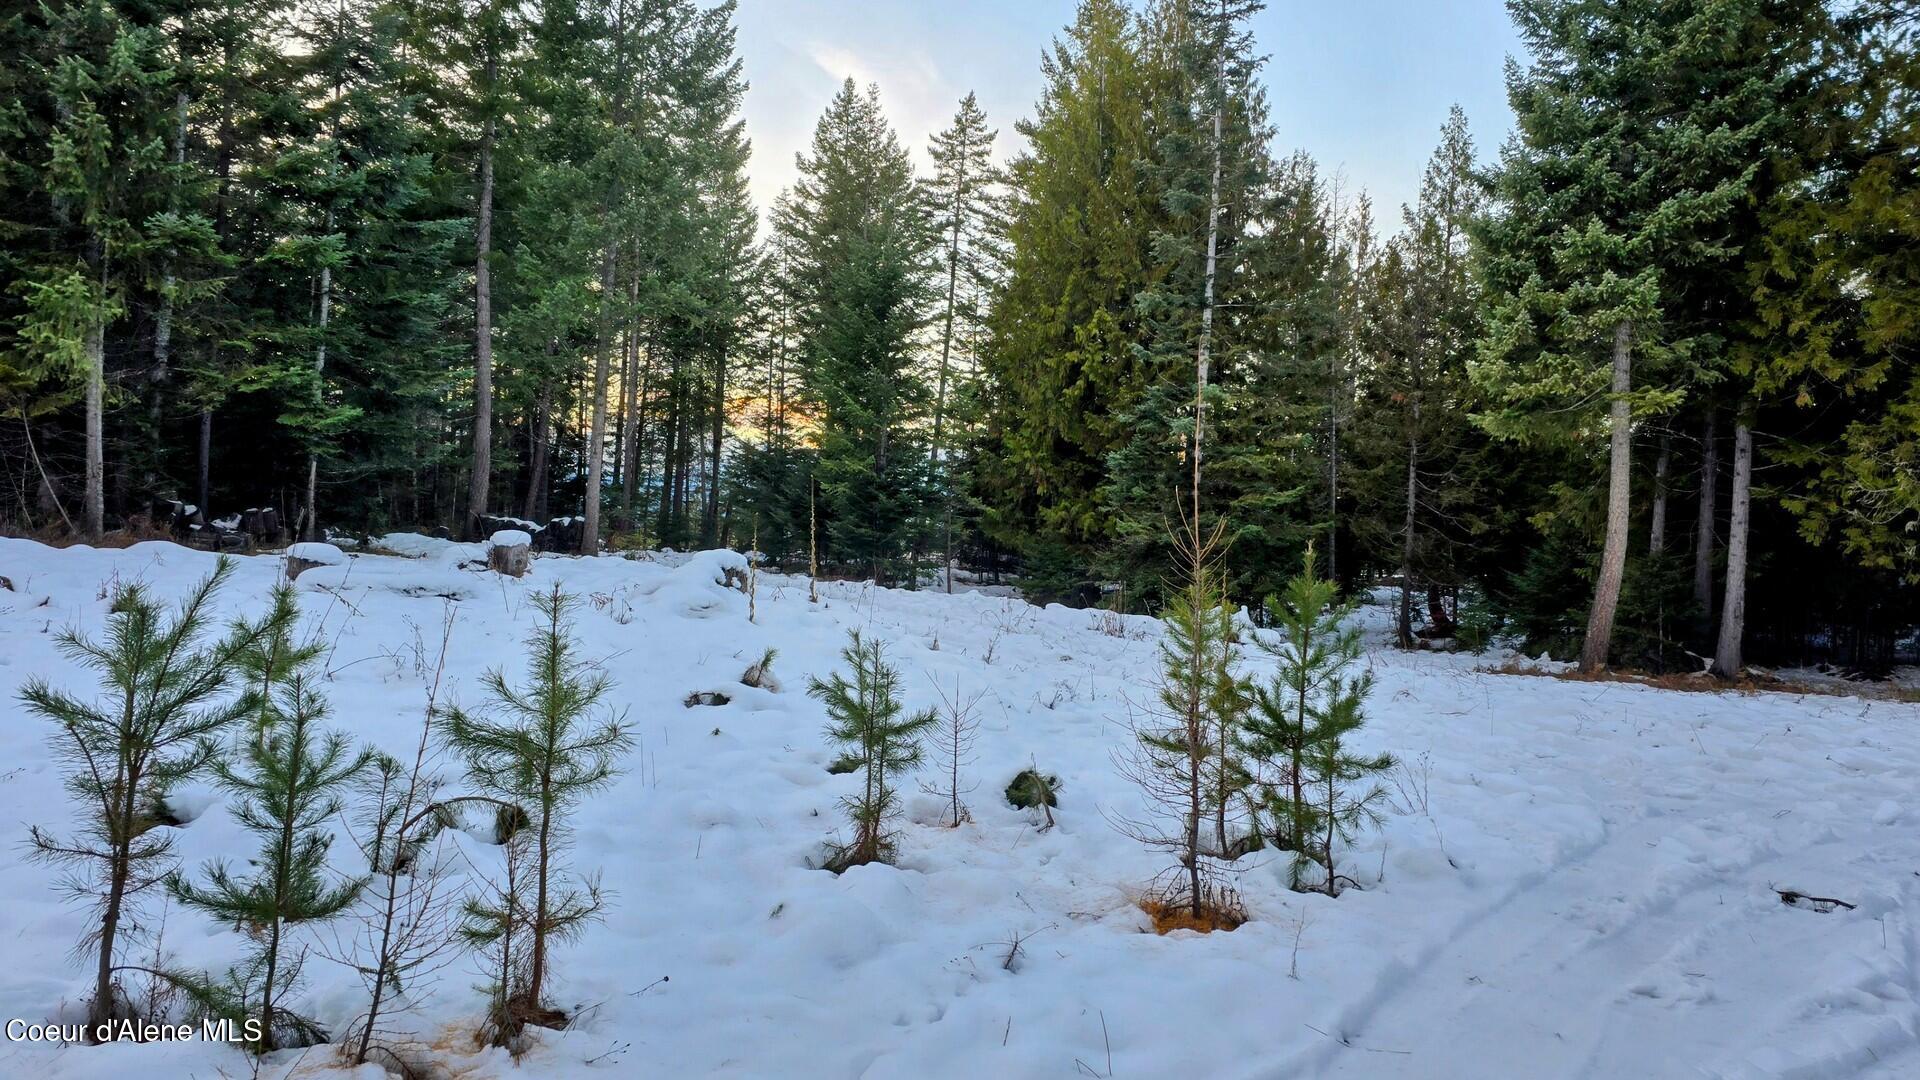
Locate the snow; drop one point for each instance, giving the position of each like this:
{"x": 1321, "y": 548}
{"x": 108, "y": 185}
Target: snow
{"x": 509, "y": 538}
{"x": 1578, "y": 878}
{"x": 322, "y": 554}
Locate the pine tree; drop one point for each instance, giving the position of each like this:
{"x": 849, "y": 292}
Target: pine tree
{"x": 1183, "y": 758}
{"x": 288, "y": 775}
{"x": 870, "y": 724}
{"x": 167, "y": 700}
{"x": 1295, "y": 731}
{"x": 553, "y": 745}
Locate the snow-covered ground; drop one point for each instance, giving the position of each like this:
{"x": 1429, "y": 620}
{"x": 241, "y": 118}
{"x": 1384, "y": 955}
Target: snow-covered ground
{"x": 1586, "y": 887}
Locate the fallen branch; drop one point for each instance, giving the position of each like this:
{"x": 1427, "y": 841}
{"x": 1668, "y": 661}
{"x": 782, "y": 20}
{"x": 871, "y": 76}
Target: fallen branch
{"x": 1792, "y": 898}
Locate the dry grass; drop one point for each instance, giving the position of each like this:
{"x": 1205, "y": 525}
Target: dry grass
{"x": 1701, "y": 683}
{"x": 1170, "y": 917}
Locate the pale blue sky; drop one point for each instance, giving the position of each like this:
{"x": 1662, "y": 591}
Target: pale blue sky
{"x": 1363, "y": 85}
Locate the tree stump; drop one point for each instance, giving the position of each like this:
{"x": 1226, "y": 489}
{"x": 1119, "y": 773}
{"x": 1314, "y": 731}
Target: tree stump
{"x": 304, "y": 557}
{"x": 510, "y": 552}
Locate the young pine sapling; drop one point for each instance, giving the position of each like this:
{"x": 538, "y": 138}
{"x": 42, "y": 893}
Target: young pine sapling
{"x": 551, "y": 744}
{"x": 872, "y": 727}
{"x": 1182, "y": 757}
{"x": 288, "y": 775}
{"x": 1314, "y": 791}
{"x": 166, "y": 700}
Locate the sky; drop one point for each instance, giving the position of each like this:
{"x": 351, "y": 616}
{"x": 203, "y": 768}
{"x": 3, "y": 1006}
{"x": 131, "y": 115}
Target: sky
{"x": 1362, "y": 85}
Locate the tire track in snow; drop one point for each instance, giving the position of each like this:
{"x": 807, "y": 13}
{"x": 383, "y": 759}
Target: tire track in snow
{"x": 1489, "y": 994}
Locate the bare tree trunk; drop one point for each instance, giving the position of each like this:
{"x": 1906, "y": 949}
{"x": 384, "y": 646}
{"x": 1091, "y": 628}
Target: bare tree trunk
{"x": 597, "y": 438}
{"x": 163, "y": 319}
{"x": 1703, "y": 535}
{"x": 311, "y": 515}
{"x": 96, "y": 351}
{"x": 481, "y": 476}
{"x": 632, "y": 401}
{"x": 1405, "y": 625}
{"x": 946, "y": 358}
{"x": 1733, "y": 613}
{"x": 1657, "y": 535}
{"x": 536, "y": 504}
{"x": 206, "y": 456}
{"x": 620, "y": 417}
{"x": 1613, "y": 556}
{"x": 710, "y": 531}
{"x": 1201, "y": 353}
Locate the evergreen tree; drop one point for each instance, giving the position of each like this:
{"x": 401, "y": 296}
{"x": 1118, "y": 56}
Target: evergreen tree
{"x": 862, "y": 244}
{"x": 1416, "y": 459}
{"x": 552, "y": 746}
{"x": 965, "y": 199}
{"x": 1836, "y": 282}
{"x": 1064, "y": 358}
{"x": 1183, "y": 758}
{"x": 1271, "y": 458}
{"x": 871, "y": 726}
{"x": 100, "y": 155}
{"x": 167, "y": 699}
{"x": 288, "y": 776}
{"x": 1622, "y": 193}
{"x": 1210, "y": 169}
{"x": 1295, "y": 732}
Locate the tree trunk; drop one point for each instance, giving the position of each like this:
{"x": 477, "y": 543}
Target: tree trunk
{"x": 630, "y": 405}
{"x": 1201, "y": 352}
{"x": 597, "y": 438}
{"x": 536, "y": 504}
{"x": 206, "y": 456}
{"x": 637, "y": 432}
{"x": 1703, "y": 534}
{"x": 96, "y": 350}
{"x": 1657, "y": 534}
{"x": 481, "y": 475}
{"x": 1733, "y": 613}
{"x": 1405, "y": 625}
{"x": 312, "y": 512}
{"x": 710, "y": 531}
{"x": 163, "y": 319}
{"x": 1613, "y": 556}
{"x": 946, "y": 358}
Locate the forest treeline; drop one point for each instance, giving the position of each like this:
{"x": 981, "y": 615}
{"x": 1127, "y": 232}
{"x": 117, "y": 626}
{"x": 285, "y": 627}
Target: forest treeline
{"x": 1637, "y": 384}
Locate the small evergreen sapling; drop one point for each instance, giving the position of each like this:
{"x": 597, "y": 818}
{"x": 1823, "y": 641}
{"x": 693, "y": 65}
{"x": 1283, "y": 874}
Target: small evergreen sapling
{"x": 1183, "y": 756}
{"x": 288, "y": 775}
{"x": 1315, "y": 792}
{"x": 871, "y": 725}
{"x": 552, "y": 745}
{"x": 165, "y": 702}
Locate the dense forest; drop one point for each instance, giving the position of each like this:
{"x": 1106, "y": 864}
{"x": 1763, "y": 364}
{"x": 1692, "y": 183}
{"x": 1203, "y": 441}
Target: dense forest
{"x": 1638, "y": 385}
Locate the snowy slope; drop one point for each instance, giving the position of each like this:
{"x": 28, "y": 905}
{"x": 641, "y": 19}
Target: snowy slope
{"x": 1587, "y": 893}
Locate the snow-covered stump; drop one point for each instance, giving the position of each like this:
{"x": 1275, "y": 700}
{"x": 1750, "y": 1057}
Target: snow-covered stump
{"x": 510, "y": 552}
{"x": 304, "y": 557}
